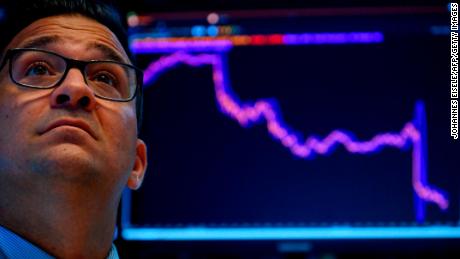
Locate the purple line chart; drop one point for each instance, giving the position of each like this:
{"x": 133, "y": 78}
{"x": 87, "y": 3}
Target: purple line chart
{"x": 246, "y": 114}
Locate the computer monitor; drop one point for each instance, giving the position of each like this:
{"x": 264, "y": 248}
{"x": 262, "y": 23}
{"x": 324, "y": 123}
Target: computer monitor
{"x": 302, "y": 124}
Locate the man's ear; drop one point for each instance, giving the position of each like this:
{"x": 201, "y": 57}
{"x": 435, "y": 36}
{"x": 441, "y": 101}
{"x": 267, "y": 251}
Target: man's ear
{"x": 140, "y": 165}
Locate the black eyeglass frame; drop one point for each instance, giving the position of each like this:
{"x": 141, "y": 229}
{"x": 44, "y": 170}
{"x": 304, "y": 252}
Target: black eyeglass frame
{"x": 73, "y": 63}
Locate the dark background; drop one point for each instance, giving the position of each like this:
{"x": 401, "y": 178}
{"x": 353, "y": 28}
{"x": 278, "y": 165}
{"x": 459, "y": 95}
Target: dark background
{"x": 167, "y": 6}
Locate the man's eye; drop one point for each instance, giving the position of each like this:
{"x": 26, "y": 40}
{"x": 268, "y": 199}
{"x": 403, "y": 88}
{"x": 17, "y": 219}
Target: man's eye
{"x": 38, "y": 69}
{"x": 105, "y": 78}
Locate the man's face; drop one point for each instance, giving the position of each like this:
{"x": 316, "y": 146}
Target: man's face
{"x": 65, "y": 136}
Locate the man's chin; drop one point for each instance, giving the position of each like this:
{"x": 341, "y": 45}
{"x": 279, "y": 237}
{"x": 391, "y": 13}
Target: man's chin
{"x": 67, "y": 161}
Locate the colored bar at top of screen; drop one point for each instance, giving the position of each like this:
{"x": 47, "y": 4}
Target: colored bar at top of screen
{"x": 174, "y": 234}
{"x": 166, "y": 46}
{"x": 141, "y": 44}
{"x": 333, "y": 38}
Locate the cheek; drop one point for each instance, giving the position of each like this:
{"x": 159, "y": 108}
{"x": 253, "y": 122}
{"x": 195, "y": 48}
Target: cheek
{"x": 15, "y": 125}
{"x": 12, "y": 117}
{"x": 119, "y": 126}
{"x": 5, "y": 115}
{"x": 121, "y": 123}
{"x": 20, "y": 110}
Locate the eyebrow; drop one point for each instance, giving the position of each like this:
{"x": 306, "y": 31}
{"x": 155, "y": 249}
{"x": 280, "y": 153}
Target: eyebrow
{"x": 108, "y": 52}
{"x": 41, "y": 42}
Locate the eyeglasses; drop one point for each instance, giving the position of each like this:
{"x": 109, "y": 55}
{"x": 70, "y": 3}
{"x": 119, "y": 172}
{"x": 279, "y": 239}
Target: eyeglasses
{"x": 41, "y": 69}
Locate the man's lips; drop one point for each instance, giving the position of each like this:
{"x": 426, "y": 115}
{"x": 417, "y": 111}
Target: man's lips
{"x": 73, "y": 123}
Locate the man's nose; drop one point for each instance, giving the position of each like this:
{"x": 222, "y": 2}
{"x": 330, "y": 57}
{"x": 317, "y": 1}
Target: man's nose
{"x": 73, "y": 93}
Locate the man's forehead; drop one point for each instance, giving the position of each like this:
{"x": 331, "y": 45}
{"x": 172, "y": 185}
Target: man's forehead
{"x": 45, "y": 42}
{"x": 74, "y": 30}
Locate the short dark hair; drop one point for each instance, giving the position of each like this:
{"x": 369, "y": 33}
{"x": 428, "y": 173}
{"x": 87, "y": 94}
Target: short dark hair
{"x": 20, "y": 13}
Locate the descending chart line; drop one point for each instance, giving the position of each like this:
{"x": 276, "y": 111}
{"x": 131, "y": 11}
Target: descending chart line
{"x": 245, "y": 113}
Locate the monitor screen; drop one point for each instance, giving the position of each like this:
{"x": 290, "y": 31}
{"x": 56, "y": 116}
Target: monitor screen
{"x": 296, "y": 124}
